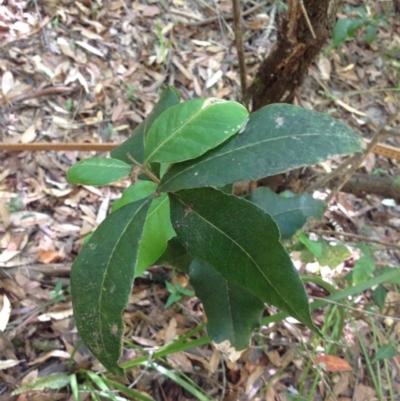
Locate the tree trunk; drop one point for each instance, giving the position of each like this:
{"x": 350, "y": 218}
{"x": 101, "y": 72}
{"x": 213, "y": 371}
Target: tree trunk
{"x": 397, "y": 6}
{"x": 301, "y": 36}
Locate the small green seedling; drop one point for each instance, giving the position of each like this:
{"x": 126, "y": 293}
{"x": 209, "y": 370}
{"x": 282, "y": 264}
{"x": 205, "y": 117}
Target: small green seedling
{"x": 177, "y": 292}
{"x": 182, "y": 161}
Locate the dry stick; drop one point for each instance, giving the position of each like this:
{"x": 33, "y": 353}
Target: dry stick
{"x": 51, "y": 91}
{"x": 380, "y": 149}
{"x": 303, "y": 9}
{"x": 226, "y": 17}
{"x": 145, "y": 170}
{"x": 357, "y": 161}
{"x": 128, "y": 12}
{"x": 237, "y": 23}
{"x": 74, "y": 146}
{"x": 340, "y": 170}
{"x": 46, "y": 41}
{"x": 361, "y": 311}
{"x": 355, "y": 236}
{"x": 271, "y": 22}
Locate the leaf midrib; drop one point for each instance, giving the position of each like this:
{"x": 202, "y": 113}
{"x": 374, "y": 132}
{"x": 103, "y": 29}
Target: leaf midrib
{"x": 246, "y": 253}
{"x": 173, "y": 135}
{"x": 232, "y": 151}
{"x": 105, "y": 271}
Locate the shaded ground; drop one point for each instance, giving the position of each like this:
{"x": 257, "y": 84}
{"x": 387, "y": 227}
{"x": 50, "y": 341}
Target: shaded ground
{"x": 82, "y": 71}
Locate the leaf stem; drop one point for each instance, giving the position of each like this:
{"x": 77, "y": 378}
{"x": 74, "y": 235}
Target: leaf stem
{"x": 144, "y": 169}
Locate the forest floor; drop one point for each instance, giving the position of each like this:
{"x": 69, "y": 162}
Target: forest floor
{"x": 90, "y": 71}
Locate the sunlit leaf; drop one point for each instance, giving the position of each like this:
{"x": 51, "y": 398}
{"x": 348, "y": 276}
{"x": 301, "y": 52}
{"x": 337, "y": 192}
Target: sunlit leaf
{"x": 189, "y": 129}
{"x": 328, "y": 253}
{"x": 158, "y": 228}
{"x": 140, "y": 190}
{"x": 97, "y": 171}
{"x": 277, "y": 138}
{"x": 157, "y": 231}
{"x": 135, "y": 144}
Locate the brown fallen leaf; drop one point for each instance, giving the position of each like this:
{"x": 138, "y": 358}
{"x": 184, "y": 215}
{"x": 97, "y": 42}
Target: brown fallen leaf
{"x": 49, "y": 256}
{"x": 332, "y": 363}
{"x": 52, "y": 354}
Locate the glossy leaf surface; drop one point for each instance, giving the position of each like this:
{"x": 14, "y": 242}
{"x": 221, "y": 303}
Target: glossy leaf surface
{"x": 140, "y": 190}
{"x": 277, "y": 138}
{"x": 157, "y": 231}
{"x": 101, "y": 281}
{"x": 232, "y": 312}
{"x": 97, "y": 171}
{"x": 134, "y": 145}
{"x": 241, "y": 242}
{"x": 158, "y": 228}
{"x": 189, "y": 129}
{"x": 290, "y": 213}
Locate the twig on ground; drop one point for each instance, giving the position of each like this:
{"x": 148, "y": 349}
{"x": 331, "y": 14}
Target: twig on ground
{"x": 128, "y": 12}
{"x": 355, "y": 236}
{"x": 361, "y": 311}
{"x": 237, "y": 23}
{"x": 271, "y": 22}
{"x": 207, "y": 21}
{"x": 357, "y": 160}
{"x": 45, "y": 40}
{"x": 50, "y": 91}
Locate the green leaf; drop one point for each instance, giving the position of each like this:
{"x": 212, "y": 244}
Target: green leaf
{"x": 54, "y": 382}
{"x": 135, "y": 144}
{"x": 140, "y": 190}
{"x": 277, "y": 138}
{"x": 386, "y": 351}
{"x": 340, "y": 31}
{"x": 241, "y": 242}
{"x": 387, "y": 269}
{"x": 289, "y": 213}
{"x": 158, "y": 228}
{"x": 354, "y": 26}
{"x": 370, "y": 34}
{"x": 101, "y": 281}
{"x": 379, "y": 296}
{"x": 189, "y": 129}
{"x": 157, "y": 231}
{"x": 97, "y": 171}
{"x": 175, "y": 255}
{"x": 363, "y": 268}
{"x": 330, "y": 253}
{"x": 232, "y": 312}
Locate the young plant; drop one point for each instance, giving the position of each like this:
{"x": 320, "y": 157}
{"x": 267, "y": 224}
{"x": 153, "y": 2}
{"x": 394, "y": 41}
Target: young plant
{"x": 174, "y": 213}
{"x": 363, "y": 26}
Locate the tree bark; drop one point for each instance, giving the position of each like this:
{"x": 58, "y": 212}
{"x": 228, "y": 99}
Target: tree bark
{"x": 301, "y": 36}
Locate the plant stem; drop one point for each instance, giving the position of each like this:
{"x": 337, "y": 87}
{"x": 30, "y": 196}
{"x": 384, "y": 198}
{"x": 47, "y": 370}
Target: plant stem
{"x": 237, "y": 23}
{"x": 144, "y": 169}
